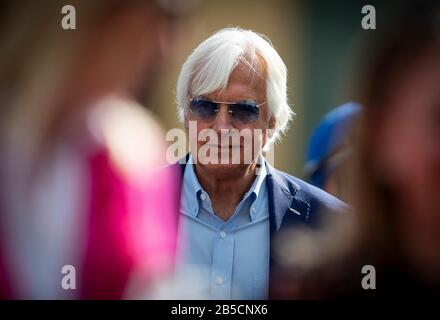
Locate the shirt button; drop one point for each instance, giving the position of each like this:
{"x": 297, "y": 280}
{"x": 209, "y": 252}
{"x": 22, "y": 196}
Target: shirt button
{"x": 223, "y": 234}
{"x": 219, "y": 280}
{"x": 203, "y": 196}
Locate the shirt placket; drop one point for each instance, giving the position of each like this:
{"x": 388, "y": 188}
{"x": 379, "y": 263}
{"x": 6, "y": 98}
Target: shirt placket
{"x": 222, "y": 262}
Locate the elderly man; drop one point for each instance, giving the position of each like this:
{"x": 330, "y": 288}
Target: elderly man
{"x": 233, "y": 202}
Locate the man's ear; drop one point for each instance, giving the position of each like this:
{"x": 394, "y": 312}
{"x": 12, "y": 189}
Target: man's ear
{"x": 272, "y": 122}
{"x": 271, "y": 127}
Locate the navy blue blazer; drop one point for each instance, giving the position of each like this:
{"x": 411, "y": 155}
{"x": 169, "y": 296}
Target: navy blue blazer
{"x": 294, "y": 202}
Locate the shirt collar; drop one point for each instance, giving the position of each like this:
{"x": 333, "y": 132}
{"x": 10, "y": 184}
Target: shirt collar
{"x": 257, "y": 188}
{"x": 259, "y": 179}
{"x": 192, "y": 188}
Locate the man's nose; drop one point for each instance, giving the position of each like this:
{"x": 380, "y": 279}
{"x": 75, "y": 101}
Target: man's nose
{"x": 223, "y": 119}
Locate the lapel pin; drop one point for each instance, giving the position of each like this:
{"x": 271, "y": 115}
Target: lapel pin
{"x": 295, "y": 211}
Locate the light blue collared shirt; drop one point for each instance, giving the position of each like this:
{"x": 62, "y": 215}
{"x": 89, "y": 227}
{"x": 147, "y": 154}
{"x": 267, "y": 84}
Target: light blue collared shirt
{"x": 231, "y": 257}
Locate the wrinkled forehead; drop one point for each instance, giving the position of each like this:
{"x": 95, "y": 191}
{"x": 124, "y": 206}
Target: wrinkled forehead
{"x": 249, "y": 69}
{"x": 247, "y": 73}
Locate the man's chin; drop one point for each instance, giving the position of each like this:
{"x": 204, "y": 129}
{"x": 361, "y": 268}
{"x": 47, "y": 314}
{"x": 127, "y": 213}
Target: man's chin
{"x": 225, "y": 168}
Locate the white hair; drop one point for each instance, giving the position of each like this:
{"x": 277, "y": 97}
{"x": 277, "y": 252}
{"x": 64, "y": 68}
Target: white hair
{"x": 209, "y": 66}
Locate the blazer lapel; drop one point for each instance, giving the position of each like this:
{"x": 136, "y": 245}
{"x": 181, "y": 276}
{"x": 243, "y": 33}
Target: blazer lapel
{"x": 286, "y": 208}
{"x": 182, "y": 163}
{"x": 285, "y": 204}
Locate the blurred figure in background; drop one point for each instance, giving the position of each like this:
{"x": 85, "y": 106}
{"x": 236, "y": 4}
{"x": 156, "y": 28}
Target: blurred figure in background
{"x": 77, "y": 150}
{"x": 396, "y": 170}
{"x": 330, "y": 148}
{"x": 398, "y": 193}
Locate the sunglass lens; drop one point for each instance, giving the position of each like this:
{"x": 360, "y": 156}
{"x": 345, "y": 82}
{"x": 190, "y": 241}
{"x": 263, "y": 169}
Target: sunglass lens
{"x": 245, "y": 112}
{"x": 203, "y": 109}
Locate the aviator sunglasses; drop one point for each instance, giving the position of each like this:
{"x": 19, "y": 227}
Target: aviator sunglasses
{"x": 242, "y": 112}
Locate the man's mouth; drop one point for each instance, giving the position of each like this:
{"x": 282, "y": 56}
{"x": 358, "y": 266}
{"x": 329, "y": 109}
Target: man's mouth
{"x": 219, "y": 146}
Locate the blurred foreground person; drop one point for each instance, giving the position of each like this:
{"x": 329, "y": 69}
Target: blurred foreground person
{"x": 396, "y": 191}
{"x": 330, "y": 149}
{"x": 232, "y": 97}
{"x": 82, "y": 215}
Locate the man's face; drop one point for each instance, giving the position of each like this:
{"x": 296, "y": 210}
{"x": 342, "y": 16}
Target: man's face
{"x": 244, "y": 85}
